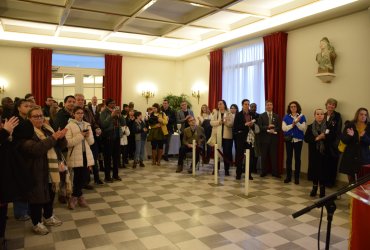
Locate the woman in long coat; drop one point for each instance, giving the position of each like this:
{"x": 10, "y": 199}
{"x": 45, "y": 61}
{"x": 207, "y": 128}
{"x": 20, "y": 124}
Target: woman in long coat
{"x": 317, "y": 137}
{"x": 356, "y": 137}
{"x": 40, "y": 150}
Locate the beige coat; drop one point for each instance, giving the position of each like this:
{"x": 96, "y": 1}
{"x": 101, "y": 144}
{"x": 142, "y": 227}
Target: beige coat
{"x": 217, "y": 127}
{"x": 75, "y": 140}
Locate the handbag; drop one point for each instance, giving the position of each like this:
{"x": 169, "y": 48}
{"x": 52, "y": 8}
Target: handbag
{"x": 288, "y": 138}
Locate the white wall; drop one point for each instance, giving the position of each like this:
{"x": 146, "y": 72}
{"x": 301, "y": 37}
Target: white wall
{"x": 15, "y": 70}
{"x": 350, "y": 35}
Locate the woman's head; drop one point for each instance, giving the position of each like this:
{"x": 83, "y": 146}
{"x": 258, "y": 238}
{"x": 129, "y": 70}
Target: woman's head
{"x": 137, "y": 115}
{"x": 204, "y": 109}
{"x": 361, "y": 115}
{"x": 319, "y": 115}
{"x": 331, "y": 104}
{"x": 234, "y": 108}
{"x": 22, "y": 107}
{"x": 155, "y": 107}
{"x": 78, "y": 113}
{"x": 36, "y": 116}
{"x": 294, "y": 107}
{"x": 222, "y": 105}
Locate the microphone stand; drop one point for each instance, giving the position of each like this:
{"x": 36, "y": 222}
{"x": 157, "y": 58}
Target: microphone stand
{"x": 330, "y": 206}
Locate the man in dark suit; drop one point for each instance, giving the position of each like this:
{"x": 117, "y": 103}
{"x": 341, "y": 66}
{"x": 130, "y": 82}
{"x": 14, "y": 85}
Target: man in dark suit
{"x": 270, "y": 126}
{"x": 244, "y": 122}
{"x": 193, "y": 132}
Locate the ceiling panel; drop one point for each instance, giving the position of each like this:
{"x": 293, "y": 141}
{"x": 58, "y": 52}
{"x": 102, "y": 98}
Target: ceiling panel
{"x": 121, "y": 7}
{"x": 147, "y": 27}
{"x": 95, "y": 20}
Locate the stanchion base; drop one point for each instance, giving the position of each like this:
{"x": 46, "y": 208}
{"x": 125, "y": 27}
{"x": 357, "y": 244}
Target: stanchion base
{"x": 215, "y": 185}
{"x": 245, "y": 196}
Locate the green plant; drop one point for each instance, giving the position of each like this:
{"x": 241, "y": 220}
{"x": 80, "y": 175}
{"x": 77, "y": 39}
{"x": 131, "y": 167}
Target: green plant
{"x": 175, "y": 100}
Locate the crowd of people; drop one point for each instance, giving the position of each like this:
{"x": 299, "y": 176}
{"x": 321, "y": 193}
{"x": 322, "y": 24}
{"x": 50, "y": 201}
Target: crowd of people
{"x": 53, "y": 150}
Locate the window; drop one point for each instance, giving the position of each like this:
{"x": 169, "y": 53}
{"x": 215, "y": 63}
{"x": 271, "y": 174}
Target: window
{"x": 77, "y": 74}
{"x": 243, "y": 74}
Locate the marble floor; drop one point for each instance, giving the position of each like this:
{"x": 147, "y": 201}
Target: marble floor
{"x": 156, "y": 208}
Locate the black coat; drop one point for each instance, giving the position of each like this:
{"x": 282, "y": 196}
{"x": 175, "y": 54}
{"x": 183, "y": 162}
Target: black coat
{"x": 14, "y": 177}
{"x": 357, "y": 152}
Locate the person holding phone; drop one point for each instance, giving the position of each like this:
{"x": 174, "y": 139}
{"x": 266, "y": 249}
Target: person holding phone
{"x": 80, "y": 158}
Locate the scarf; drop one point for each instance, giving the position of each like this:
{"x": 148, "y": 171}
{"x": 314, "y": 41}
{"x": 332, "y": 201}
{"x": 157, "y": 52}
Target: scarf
{"x": 318, "y": 129}
{"x": 53, "y": 160}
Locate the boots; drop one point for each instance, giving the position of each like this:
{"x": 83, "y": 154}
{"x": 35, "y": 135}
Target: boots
{"x": 322, "y": 191}
{"x": 313, "y": 191}
{"x": 141, "y": 163}
{"x": 179, "y": 168}
{"x": 82, "y": 202}
{"x": 72, "y": 202}
{"x": 159, "y": 156}
{"x": 154, "y": 157}
{"x": 134, "y": 164}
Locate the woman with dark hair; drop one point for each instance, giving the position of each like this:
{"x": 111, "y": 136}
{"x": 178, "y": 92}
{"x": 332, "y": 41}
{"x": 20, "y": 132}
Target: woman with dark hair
{"x": 234, "y": 109}
{"x": 140, "y": 139}
{"x": 317, "y": 138}
{"x": 158, "y": 129}
{"x": 222, "y": 123}
{"x": 42, "y": 150}
{"x": 356, "y": 137}
{"x": 80, "y": 157}
{"x": 294, "y": 126}
{"x": 334, "y": 125}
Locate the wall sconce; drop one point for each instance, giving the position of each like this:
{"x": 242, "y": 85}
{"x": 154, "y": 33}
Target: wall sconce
{"x": 196, "y": 94}
{"x": 2, "y": 89}
{"x": 147, "y": 94}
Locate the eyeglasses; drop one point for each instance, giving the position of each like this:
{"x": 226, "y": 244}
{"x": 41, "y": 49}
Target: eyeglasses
{"x": 37, "y": 116}
{"x": 293, "y": 106}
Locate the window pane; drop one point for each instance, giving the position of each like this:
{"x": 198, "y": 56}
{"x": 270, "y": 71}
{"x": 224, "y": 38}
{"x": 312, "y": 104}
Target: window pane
{"x": 57, "y": 79}
{"x": 78, "y": 61}
{"x": 99, "y": 94}
{"x": 88, "y": 93}
{"x": 69, "y": 91}
{"x": 57, "y": 92}
{"x": 69, "y": 79}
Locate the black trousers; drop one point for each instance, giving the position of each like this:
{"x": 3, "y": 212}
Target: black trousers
{"x": 3, "y": 215}
{"x": 295, "y": 147}
{"x": 182, "y": 154}
{"x": 37, "y": 210}
{"x": 111, "y": 152}
{"x": 269, "y": 152}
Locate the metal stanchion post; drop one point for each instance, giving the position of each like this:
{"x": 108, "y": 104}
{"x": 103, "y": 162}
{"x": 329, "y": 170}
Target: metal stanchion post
{"x": 194, "y": 152}
{"x": 246, "y": 179}
{"x": 216, "y": 165}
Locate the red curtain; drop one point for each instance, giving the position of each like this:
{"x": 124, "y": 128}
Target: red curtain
{"x": 41, "y": 74}
{"x": 275, "y": 47}
{"x": 113, "y": 78}
{"x": 215, "y": 79}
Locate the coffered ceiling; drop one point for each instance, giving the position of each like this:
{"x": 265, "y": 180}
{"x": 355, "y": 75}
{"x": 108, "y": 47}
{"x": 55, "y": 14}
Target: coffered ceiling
{"x": 171, "y": 28}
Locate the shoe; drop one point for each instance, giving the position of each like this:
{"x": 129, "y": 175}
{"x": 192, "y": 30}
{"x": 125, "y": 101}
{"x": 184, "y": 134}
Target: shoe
{"x": 88, "y": 187}
{"x": 99, "y": 182}
{"x": 179, "y": 169}
{"x": 287, "y": 180}
{"x": 108, "y": 180}
{"x": 322, "y": 191}
{"x": 190, "y": 171}
{"x": 40, "y": 229}
{"x": 82, "y": 202}
{"x": 263, "y": 175}
{"x": 117, "y": 178}
{"x": 23, "y": 217}
{"x": 251, "y": 177}
{"x": 126, "y": 161}
{"x": 227, "y": 173}
{"x": 141, "y": 164}
{"x": 134, "y": 164}
{"x": 165, "y": 157}
{"x": 52, "y": 221}
{"x": 238, "y": 177}
{"x": 313, "y": 191}
{"x": 72, "y": 202}
{"x": 296, "y": 181}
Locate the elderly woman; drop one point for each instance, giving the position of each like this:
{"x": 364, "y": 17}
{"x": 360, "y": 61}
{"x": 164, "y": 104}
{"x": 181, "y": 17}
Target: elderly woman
{"x": 356, "y": 137}
{"x": 333, "y": 121}
{"x": 317, "y": 138}
{"x": 222, "y": 123}
{"x": 42, "y": 149}
{"x": 79, "y": 137}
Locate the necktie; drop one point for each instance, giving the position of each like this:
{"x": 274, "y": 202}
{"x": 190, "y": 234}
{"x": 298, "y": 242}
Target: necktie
{"x": 270, "y": 118}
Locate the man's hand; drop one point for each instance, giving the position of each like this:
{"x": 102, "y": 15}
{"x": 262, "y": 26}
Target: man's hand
{"x": 10, "y": 124}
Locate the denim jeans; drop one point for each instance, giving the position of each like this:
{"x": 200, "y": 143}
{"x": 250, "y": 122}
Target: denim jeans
{"x": 20, "y": 208}
{"x": 139, "y": 150}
